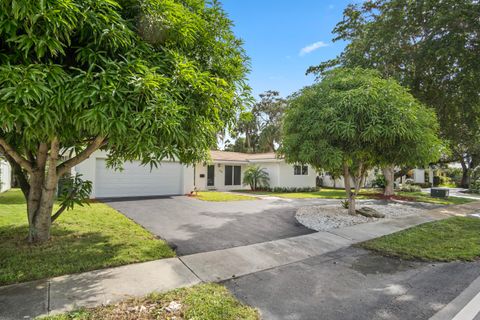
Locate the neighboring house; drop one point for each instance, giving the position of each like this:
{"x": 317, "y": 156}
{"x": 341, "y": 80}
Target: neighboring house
{"x": 5, "y": 175}
{"x": 418, "y": 175}
{"x": 224, "y": 172}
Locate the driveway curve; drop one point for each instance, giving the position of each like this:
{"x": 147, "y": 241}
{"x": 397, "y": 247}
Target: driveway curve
{"x": 192, "y": 226}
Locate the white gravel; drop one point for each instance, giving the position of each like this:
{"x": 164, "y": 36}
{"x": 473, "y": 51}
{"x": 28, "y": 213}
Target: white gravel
{"x": 333, "y": 216}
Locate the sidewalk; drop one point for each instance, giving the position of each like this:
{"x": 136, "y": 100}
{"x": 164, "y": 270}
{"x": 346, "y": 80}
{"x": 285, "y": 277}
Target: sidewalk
{"x": 21, "y": 301}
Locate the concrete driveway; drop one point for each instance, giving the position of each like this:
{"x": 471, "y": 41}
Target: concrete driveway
{"x": 193, "y": 226}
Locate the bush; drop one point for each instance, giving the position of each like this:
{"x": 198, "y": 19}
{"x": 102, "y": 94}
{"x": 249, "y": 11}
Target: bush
{"x": 379, "y": 181}
{"x": 408, "y": 187}
{"x": 475, "y": 186}
{"x": 288, "y": 189}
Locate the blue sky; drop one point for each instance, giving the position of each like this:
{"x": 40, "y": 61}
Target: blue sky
{"x": 276, "y": 31}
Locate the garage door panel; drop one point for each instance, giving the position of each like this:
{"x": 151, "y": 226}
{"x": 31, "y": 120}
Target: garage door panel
{"x": 137, "y": 180}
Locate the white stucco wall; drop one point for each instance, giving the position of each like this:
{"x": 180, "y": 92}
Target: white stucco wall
{"x": 286, "y": 177}
{"x": 5, "y": 175}
{"x": 419, "y": 175}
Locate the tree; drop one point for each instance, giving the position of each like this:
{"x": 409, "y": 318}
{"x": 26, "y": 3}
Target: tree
{"x": 354, "y": 120}
{"x": 269, "y": 112}
{"x": 145, "y": 80}
{"x": 255, "y": 177}
{"x": 431, "y": 47}
{"x": 247, "y": 125}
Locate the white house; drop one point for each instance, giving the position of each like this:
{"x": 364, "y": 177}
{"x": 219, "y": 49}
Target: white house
{"x": 5, "y": 175}
{"x": 224, "y": 172}
{"x": 418, "y": 175}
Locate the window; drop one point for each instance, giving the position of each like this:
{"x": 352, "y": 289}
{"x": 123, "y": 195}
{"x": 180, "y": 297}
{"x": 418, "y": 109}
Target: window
{"x": 304, "y": 170}
{"x": 300, "y": 170}
{"x": 233, "y": 175}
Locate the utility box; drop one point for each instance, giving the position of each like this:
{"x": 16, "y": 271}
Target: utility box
{"x": 439, "y": 192}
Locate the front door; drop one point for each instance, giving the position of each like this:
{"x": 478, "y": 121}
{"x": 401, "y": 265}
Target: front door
{"x": 210, "y": 176}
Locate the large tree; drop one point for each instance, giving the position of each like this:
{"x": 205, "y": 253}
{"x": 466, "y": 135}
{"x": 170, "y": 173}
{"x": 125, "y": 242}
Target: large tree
{"x": 143, "y": 79}
{"x": 354, "y": 120}
{"x": 269, "y": 112}
{"x": 431, "y": 47}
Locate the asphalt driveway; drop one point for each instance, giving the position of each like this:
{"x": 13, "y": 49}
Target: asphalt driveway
{"x": 193, "y": 226}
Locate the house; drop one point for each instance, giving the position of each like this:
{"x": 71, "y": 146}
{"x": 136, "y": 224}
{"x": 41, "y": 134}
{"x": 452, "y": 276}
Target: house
{"x": 223, "y": 172}
{"x": 417, "y": 175}
{"x": 5, "y": 175}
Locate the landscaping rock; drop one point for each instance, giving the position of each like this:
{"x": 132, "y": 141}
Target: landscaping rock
{"x": 370, "y": 213}
{"x": 332, "y": 216}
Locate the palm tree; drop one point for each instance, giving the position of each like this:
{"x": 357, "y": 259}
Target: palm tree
{"x": 255, "y": 177}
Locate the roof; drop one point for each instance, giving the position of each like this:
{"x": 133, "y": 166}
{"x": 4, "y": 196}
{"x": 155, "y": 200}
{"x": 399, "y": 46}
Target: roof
{"x": 243, "y": 157}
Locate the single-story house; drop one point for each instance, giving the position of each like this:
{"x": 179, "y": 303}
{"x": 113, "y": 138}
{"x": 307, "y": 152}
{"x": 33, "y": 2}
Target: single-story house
{"x": 418, "y": 175}
{"x": 224, "y": 172}
{"x": 5, "y": 176}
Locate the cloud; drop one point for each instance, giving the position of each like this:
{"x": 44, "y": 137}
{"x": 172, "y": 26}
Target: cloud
{"x": 312, "y": 47}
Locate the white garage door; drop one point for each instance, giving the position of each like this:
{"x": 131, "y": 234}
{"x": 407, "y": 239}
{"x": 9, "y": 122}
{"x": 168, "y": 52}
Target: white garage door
{"x": 137, "y": 180}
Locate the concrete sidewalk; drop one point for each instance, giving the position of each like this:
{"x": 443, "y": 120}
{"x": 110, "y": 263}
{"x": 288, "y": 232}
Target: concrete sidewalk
{"x": 110, "y": 285}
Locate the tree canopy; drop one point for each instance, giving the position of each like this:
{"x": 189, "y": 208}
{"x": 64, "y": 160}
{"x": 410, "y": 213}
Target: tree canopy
{"x": 261, "y": 124}
{"x": 431, "y": 47}
{"x": 143, "y": 79}
{"x": 352, "y": 120}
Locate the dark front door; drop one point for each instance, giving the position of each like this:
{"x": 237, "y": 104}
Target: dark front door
{"x": 210, "y": 176}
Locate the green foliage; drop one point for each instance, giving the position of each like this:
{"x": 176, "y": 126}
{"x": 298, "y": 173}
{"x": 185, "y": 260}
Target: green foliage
{"x": 287, "y": 189}
{"x": 73, "y": 190}
{"x": 475, "y": 186}
{"x": 261, "y": 124}
{"x": 255, "y": 177}
{"x": 354, "y": 116}
{"x": 379, "y": 181}
{"x": 430, "y": 47}
{"x": 408, "y": 187}
{"x": 345, "y": 204}
{"x": 155, "y": 78}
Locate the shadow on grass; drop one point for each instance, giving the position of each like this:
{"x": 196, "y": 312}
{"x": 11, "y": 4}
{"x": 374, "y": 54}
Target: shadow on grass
{"x": 68, "y": 251}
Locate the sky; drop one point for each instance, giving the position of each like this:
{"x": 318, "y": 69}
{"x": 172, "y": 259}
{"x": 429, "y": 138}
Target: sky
{"x": 284, "y": 37}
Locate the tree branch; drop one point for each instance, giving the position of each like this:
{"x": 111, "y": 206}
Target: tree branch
{"x": 24, "y": 163}
{"x": 91, "y": 148}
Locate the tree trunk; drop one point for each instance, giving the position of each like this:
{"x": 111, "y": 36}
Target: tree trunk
{"x": 43, "y": 184}
{"x": 465, "y": 182}
{"x": 348, "y": 190}
{"x": 388, "y": 173}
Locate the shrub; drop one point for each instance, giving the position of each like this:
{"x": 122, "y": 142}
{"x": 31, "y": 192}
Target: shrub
{"x": 475, "y": 186}
{"x": 288, "y": 189}
{"x": 379, "y": 181}
{"x": 407, "y": 187}
{"x": 256, "y": 177}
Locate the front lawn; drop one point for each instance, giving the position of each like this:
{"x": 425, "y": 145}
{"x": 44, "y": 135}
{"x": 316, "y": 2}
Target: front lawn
{"x": 321, "y": 194}
{"x": 83, "y": 239}
{"x": 456, "y": 238}
{"x": 364, "y": 194}
{"x": 425, "y": 197}
{"x": 205, "y": 301}
{"x": 216, "y": 196}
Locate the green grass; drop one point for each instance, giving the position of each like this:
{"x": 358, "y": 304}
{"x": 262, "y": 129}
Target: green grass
{"x": 205, "y": 301}
{"x": 456, "y": 238}
{"x": 86, "y": 238}
{"x": 424, "y": 197}
{"x": 321, "y": 194}
{"x": 325, "y": 193}
{"x": 216, "y": 196}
